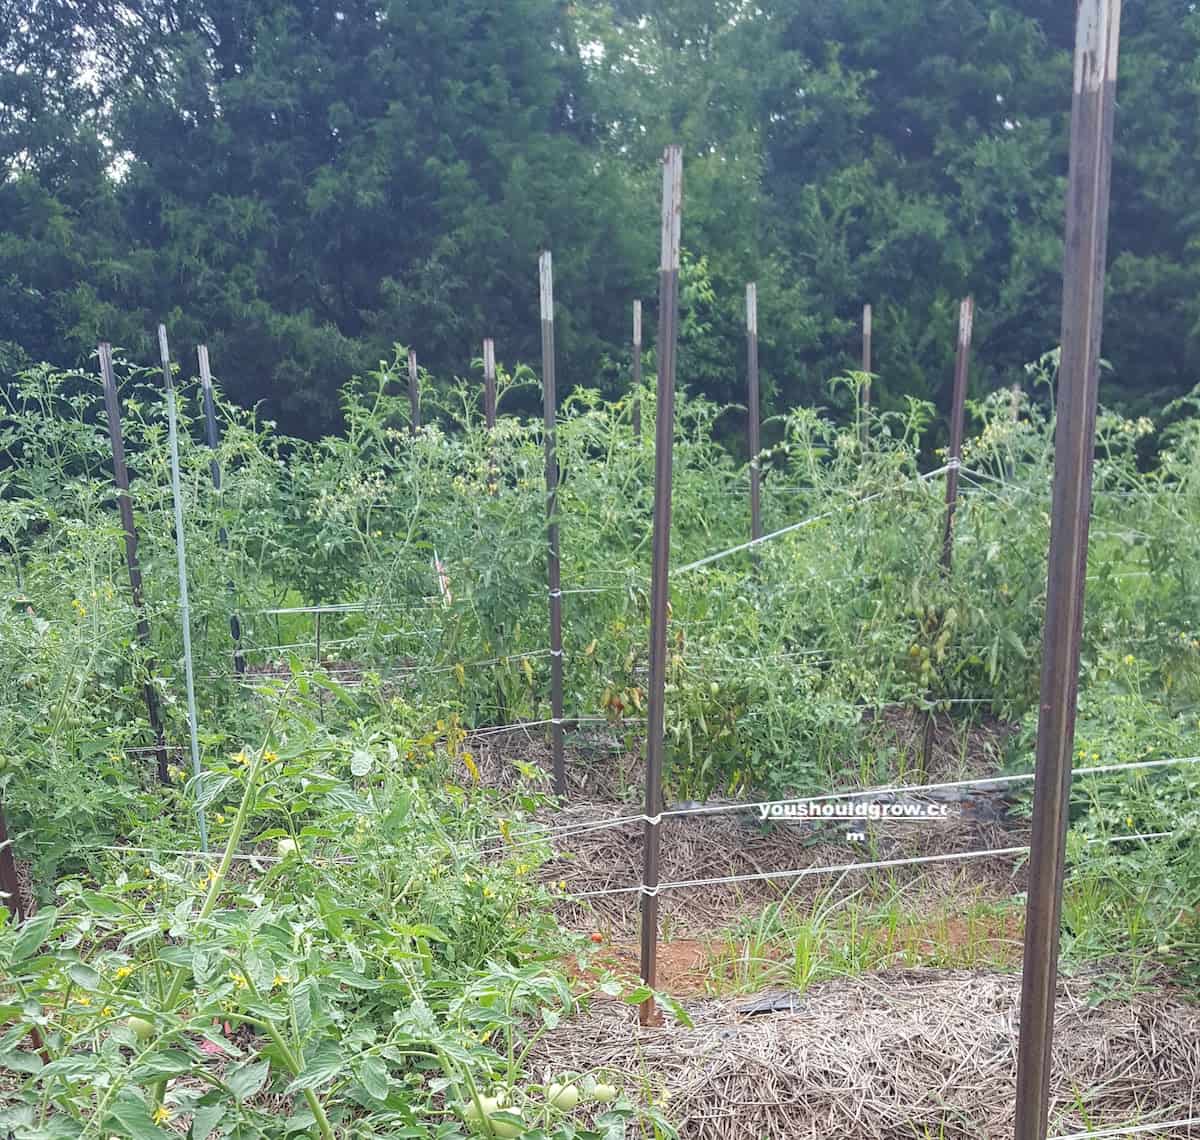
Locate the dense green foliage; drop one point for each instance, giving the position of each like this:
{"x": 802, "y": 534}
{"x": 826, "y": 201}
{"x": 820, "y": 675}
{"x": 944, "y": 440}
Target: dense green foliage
{"x": 372, "y": 942}
{"x": 779, "y": 666}
{"x": 302, "y": 184}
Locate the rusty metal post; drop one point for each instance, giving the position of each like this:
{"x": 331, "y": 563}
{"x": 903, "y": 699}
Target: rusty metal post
{"x": 752, "y": 419}
{"x": 553, "y": 567}
{"x": 1096, "y": 47}
{"x": 664, "y": 438}
{"x": 112, "y": 406}
{"x": 636, "y": 411}
{"x": 214, "y": 467}
{"x": 864, "y": 425}
{"x": 962, "y": 360}
{"x": 10, "y": 885}
{"x": 489, "y": 405}
{"x": 414, "y": 394}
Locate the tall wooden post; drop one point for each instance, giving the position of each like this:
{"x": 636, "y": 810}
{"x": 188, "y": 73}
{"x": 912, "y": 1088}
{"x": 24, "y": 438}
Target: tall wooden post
{"x": 962, "y": 361}
{"x": 553, "y": 567}
{"x": 414, "y": 394}
{"x": 185, "y": 612}
{"x": 10, "y": 885}
{"x": 1014, "y": 416}
{"x": 1097, "y": 34}
{"x": 489, "y": 405}
{"x": 865, "y": 425}
{"x": 664, "y": 439}
{"x": 112, "y": 406}
{"x": 636, "y": 410}
{"x": 754, "y": 415}
{"x": 214, "y": 466}
{"x": 966, "y": 315}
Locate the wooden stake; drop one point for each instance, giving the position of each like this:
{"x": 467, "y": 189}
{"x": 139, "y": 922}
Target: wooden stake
{"x": 185, "y": 612}
{"x": 636, "y": 411}
{"x": 489, "y": 405}
{"x": 214, "y": 467}
{"x": 553, "y": 568}
{"x": 414, "y": 394}
{"x": 966, "y": 317}
{"x": 962, "y": 360}
{"x": 1097, "y": 35}
{"x": 752, "y": 420}
{"x": 125, "y": 506}
{"x": 865, "y": 425}
{"x": 10, "y": 885}
{"x": 664, "y": 439}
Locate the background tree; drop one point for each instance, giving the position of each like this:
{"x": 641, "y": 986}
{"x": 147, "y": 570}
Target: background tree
{"x": 303, "y": 184}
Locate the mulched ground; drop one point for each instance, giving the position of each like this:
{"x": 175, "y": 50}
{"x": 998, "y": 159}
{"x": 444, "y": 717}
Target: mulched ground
{"x": 898, "y": 1055}
{"x": 604, "y": 779}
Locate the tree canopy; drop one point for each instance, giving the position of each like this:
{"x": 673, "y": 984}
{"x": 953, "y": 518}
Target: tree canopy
{"x": 302, "y": 185}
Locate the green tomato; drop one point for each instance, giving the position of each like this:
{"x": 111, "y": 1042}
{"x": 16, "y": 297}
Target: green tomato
{"x": 604, "y": 1094}
{"x": 142, "y": 1029}
{"x": 286, "y": 848}
{"x": 564, "y": 1097}
{"x": 473, "y": 1114}
{"x": 506, "y": 1128}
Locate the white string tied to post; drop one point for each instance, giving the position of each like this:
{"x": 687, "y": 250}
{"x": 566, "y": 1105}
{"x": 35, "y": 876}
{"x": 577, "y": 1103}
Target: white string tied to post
{"x": 566, "y": 831}
{"x": 841, "y": 868}
{"x": 810, "y": 521}
{"x": 572, "y": 830}
{"x": 1131, "y": 1129}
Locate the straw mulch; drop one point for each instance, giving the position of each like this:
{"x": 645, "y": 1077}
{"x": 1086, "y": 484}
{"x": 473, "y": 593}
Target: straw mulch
{"x": 603, "y": 780}
{"x": 903, "y": 1055}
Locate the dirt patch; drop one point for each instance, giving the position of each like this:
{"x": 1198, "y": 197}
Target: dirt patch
{"x": 697, "y": 967}
{"x": 894, "y": 1056}
{"x": 684, "y": 965}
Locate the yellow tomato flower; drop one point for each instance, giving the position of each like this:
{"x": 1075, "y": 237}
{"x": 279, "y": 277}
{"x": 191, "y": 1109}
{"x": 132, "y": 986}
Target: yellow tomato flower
{"x": 122, "y": 972}
{"x": 161, "y": 1114}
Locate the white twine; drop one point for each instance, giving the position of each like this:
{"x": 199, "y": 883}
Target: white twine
{"x": 810, "y": 521}
{"x": 570, "y": 830}
{"x": 1130, "y": 1130}
{"x": 878, "y": 864}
